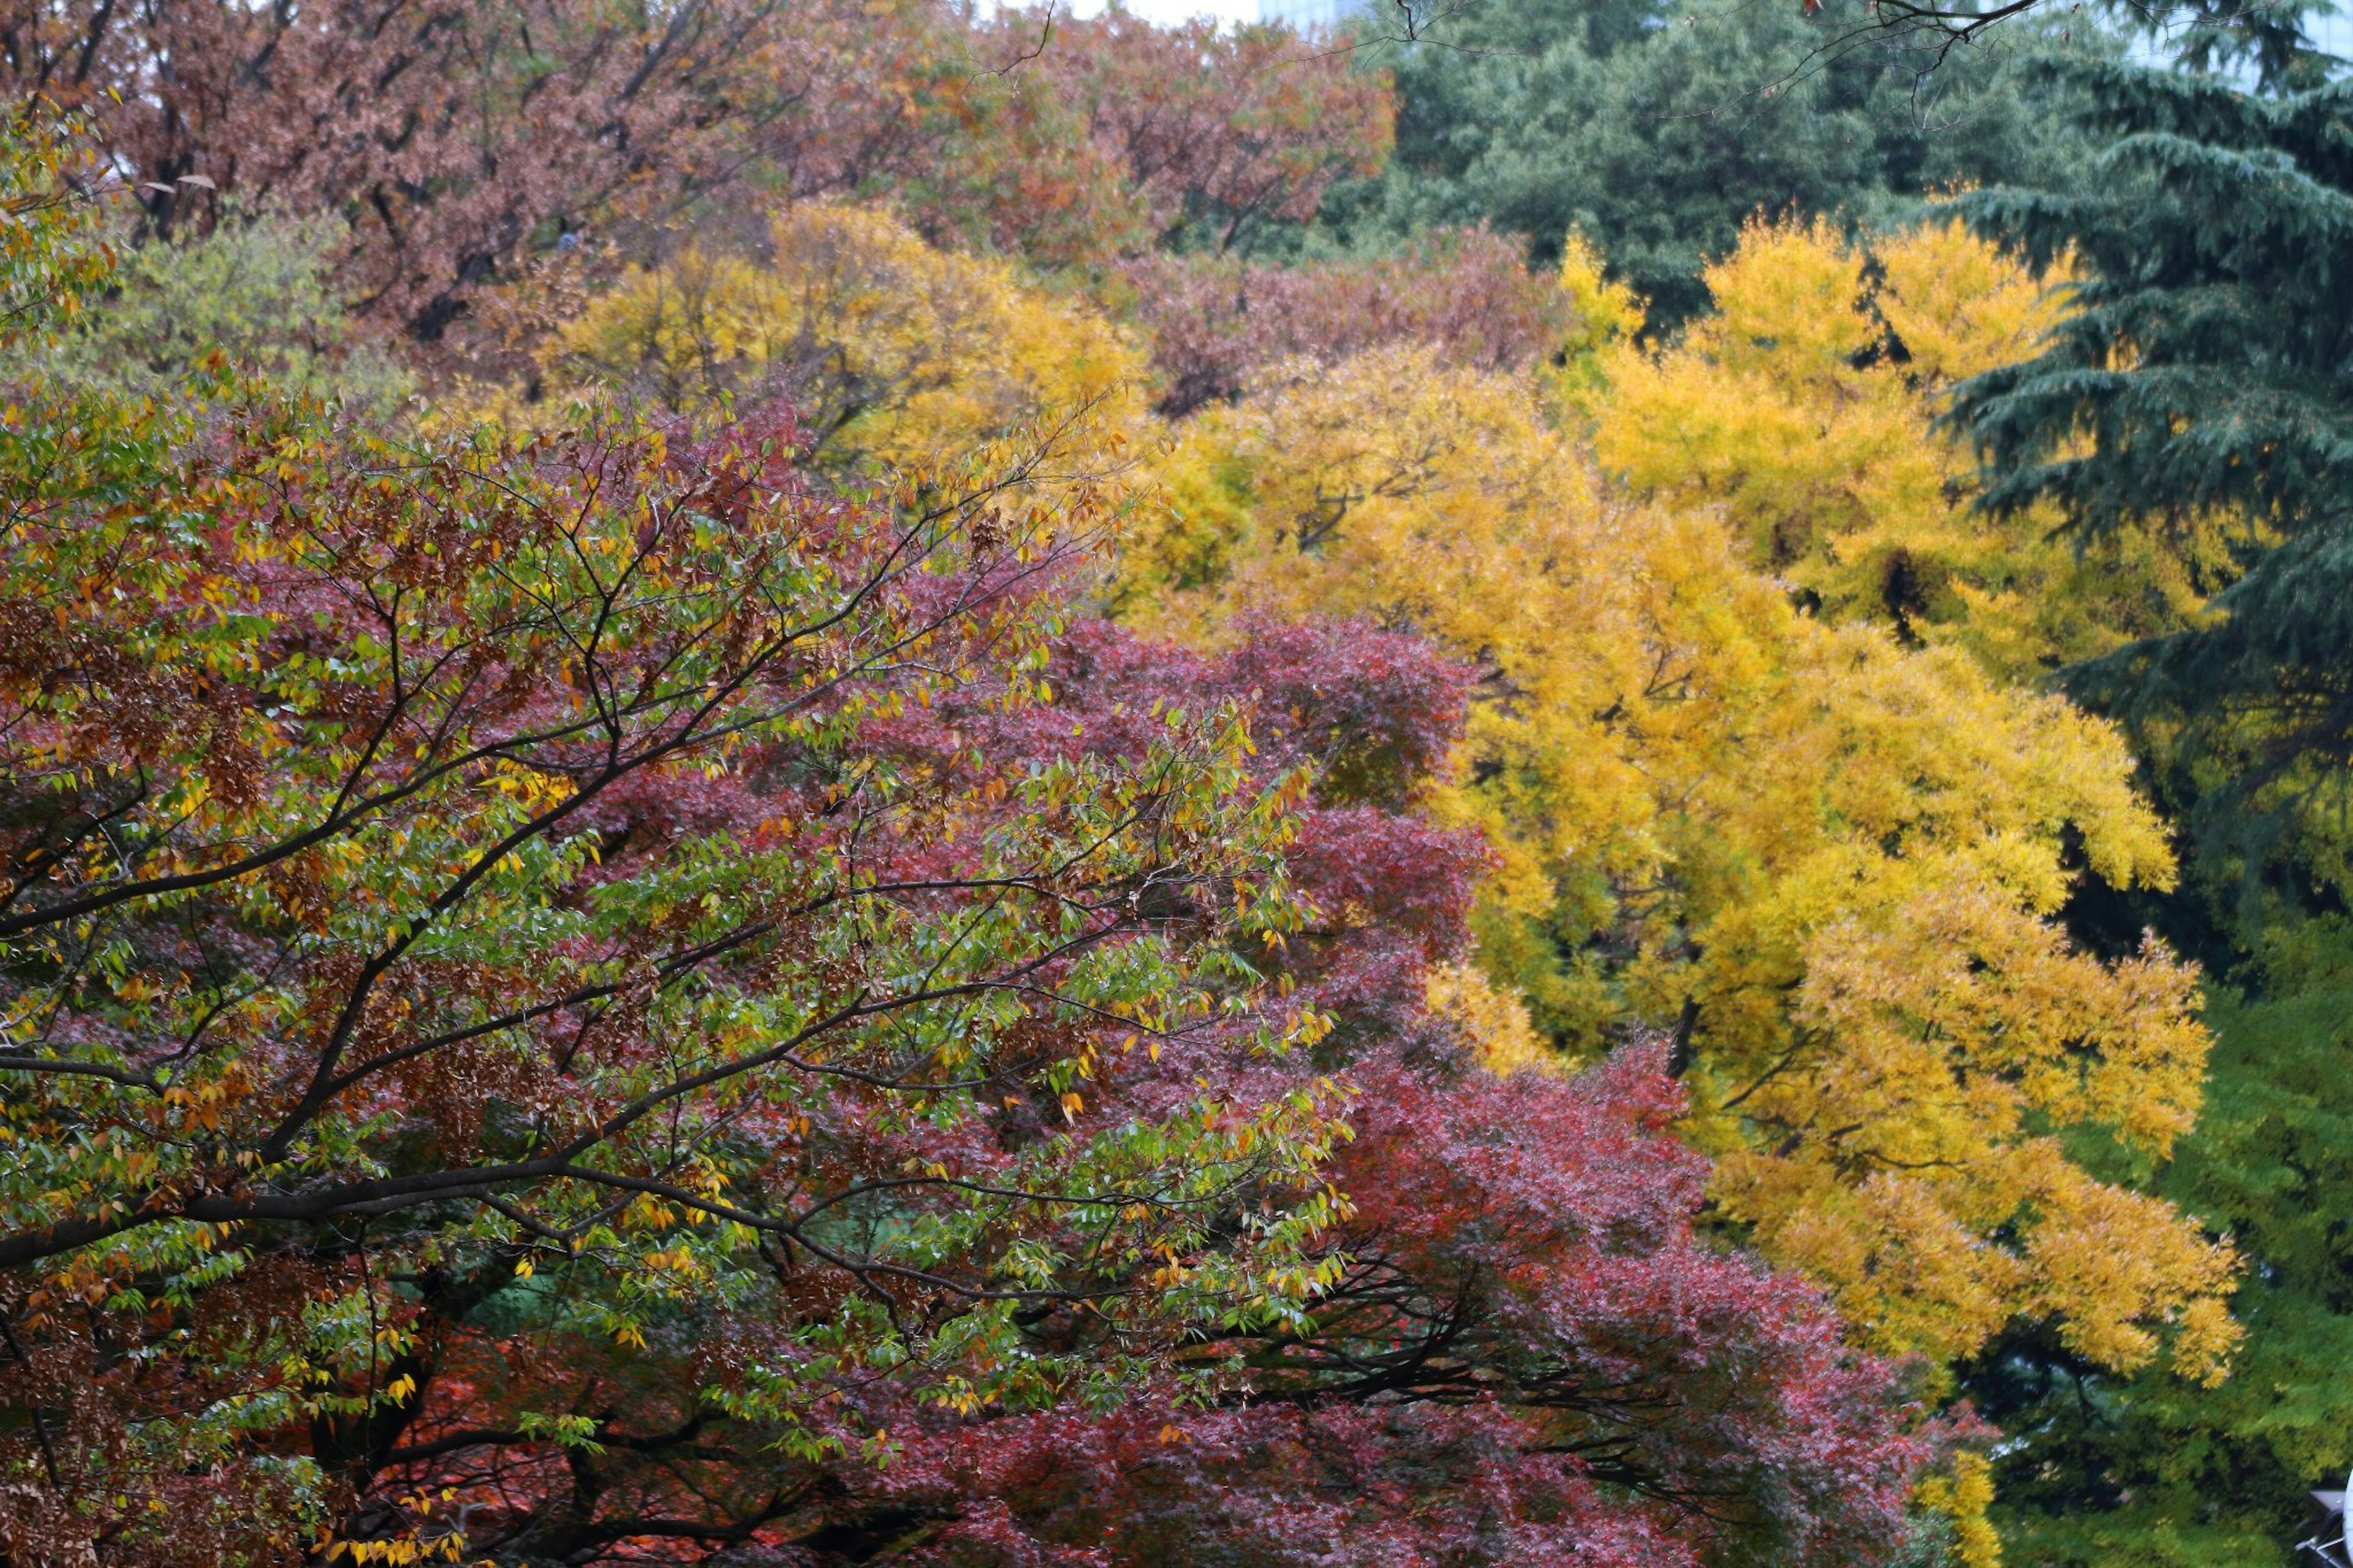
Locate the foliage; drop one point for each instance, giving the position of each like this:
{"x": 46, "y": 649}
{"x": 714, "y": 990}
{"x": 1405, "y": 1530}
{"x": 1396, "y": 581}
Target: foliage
{"x": 2197, "y": 373}
{"x": 51, "y": 253}
{"x": 1658, "y": 130}
{"x": 1828, "y": 864}
{"x": 2188, "y": 391}
{"x": 890, "y": 347}
{"x": 1218, "y": 323}
{"x": 1225, "y": 136}
{"x": 432, "y": 872}
{"x": 450, "y": 153}
{"x": 595, "y": 1000}
{"x": 1518, "y": 1281}
{"x": 2113, "y": 1471}
{"x": 255, "y": 291}
{"x": 1805, "y": 406}
{"x": 451, "y": 148}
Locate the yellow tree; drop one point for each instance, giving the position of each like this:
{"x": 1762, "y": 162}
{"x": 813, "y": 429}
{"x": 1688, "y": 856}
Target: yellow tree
{"x": 890, "y": 347}
{"x": 1805, "y": 409}
{"x": 1828, "y": 863}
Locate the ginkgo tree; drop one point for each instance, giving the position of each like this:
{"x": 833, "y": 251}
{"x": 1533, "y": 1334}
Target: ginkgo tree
{"x": 888, "y": 346}
{"x": 1806, "y": 405}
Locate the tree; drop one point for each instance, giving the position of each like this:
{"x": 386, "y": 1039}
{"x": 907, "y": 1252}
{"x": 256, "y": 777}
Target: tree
{"x": 1807, "y": 406}
{"x": 432, "y": 872}
{"x": 1828, "y": 866}
{"x": 2199, "y": 366}
{"x": 453, "y": 142}
{"x": 1225, "y": 136}
{"x": 2111, "y": 1471}
{"x": 258, "y": 292}
{"x": 893, "y": 349}
{"x": 1218, "y": 323}
{"x": 1522, "y": 1309}
{"x": 460, "y": 144}
{"x": 1657, "y": 130}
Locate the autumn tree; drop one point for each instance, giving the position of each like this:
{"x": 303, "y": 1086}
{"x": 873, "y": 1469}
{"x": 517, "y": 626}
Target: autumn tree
{"x": 451, "y": 142}
{"x": 1227, "y": 135}
{"x": 1829, "y": 866}
{"x": 891, "y": 347}
{"x": 437, "y": 870}
{"x": 595, "y": 996}
{"x": 1216, "y": 322}
{"x": 1807, "y": 405}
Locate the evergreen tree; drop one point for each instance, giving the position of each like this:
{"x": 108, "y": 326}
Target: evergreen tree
{"x": 2202, "y": 376}
{"x": 2204, "y": 372}
{"x": 1656, "y": 130}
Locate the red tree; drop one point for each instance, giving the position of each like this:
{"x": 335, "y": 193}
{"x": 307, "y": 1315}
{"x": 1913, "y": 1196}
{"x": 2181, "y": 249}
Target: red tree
{"x": 461, "y": 137}
{"x": 1216, "y": 321}
{"x": 1522, "y": 1351}
{"x": 1225, "y": 130}
{"x": 1526, "y": 1354}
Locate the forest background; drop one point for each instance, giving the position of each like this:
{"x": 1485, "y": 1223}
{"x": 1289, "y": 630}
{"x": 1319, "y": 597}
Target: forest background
{"x": 861, "y": 784}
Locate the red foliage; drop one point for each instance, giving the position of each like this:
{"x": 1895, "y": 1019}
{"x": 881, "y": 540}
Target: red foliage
{"x": 1228, "y": 129}
{"x": 1084, "y": 140}
{"x": 455, "y": 136}
{"x": 1528, "y": 1355}
{"x": 1216, "y": 321}
{"x": 459, "y": 136}
{"x": 1531, "y": 1360}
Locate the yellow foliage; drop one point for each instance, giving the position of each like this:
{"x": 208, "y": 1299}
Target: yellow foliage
{"x": 1831, "y": 861}
{"x": 1494, "y": 1020}
{"x": 1963, "y": 1495}
{"x": 1603, "y": 315}
{"x": 892, "y": 349}
{"x": 1804, "y": 409}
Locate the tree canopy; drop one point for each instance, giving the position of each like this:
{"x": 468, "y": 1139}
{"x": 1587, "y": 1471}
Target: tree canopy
{"x": 792, "y": 787}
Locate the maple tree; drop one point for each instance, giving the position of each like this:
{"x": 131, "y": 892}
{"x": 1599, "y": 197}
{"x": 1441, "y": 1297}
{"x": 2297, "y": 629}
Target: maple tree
{"x": 430, "y": 871}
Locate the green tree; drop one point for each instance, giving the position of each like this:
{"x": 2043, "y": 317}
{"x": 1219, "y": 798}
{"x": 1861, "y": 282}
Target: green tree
{"x": 254, "y": 290}
{"x": 2202, "y": 372}
{"x": 1656, "y": 130}
{"x": 2200, "y": 378}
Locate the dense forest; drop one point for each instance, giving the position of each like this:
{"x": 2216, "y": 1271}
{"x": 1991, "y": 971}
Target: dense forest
{"x": 869, "y": 782}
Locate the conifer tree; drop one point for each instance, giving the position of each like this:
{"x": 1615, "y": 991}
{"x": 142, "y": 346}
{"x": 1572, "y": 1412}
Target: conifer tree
{"x": 1656, "y": 130}
{"x": 2199, "y": 384}
{"x": 2202, "y": 372}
